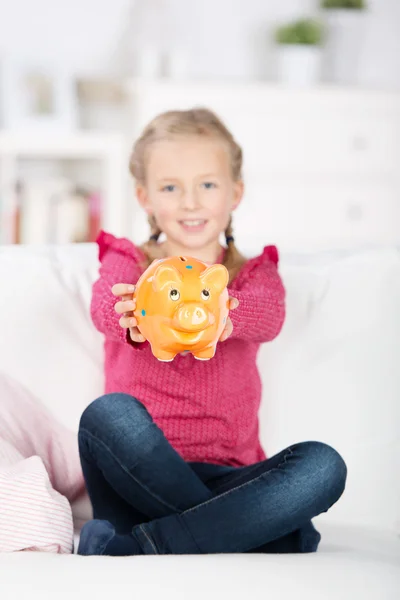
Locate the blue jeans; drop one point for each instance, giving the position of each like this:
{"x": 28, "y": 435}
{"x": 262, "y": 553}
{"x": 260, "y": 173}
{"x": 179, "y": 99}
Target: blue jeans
{"x": 142, "y": 486}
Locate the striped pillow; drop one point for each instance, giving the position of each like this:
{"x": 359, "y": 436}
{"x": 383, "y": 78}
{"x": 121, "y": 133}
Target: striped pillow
{"x": 33, "y": 516}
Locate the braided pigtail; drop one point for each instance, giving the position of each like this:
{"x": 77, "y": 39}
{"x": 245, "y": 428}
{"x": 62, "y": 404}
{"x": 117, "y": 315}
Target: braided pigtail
{"x": 233, "y": 259}
{"x": 151, "y": 248}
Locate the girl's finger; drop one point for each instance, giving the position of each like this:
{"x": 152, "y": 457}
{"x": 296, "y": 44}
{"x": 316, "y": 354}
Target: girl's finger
{"x": 224, "y": 336}
{"x": 233, "y": 303}
{"x": 227, "y": 331}
{"x": 126, "y": 322}
{"x": 136, "y": 336}
{"x": 122, "y": 289}
{"x": 123, "y": 307}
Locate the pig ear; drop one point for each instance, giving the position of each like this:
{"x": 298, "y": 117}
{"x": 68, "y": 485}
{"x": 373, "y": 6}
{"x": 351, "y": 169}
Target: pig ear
{"x": 215, "y": 277}
{"x": 165, "y": 275}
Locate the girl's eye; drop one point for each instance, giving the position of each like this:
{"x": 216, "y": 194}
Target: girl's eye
{"x": 174, "y": 295}
{"x": 168, "y": 188}
{"x": 205, "y": 295}
{"x": 209, "y": 185}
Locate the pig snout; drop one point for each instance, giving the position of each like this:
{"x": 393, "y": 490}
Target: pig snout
{"x": 192, "y": 317}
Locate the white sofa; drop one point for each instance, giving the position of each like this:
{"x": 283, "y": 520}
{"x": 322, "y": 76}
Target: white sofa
{"x": 333, "y": 375}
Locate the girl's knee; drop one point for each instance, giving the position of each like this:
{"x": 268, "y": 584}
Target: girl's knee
{"x": 326, "y": 467}
{"x": 116, "y": 424}
{"x": 112, "y": 408}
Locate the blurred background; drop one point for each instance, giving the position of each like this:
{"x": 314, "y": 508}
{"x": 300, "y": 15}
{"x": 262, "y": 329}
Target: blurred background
{"x": 310, "y": 89}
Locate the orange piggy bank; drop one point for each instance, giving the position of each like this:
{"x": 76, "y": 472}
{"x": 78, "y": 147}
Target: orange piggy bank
{"x": 182, "y": 305}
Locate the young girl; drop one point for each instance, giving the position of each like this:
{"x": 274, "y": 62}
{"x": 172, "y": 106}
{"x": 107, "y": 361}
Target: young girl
{"x": 171, "y": 454}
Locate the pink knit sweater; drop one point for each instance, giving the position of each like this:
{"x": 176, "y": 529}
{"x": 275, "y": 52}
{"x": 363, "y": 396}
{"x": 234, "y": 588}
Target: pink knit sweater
{"x": 207, "y": 410}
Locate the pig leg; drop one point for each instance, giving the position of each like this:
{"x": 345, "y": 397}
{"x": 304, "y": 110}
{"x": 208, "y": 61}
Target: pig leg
{"x": 164, "y": 356}
{"x": 205, "y": 354}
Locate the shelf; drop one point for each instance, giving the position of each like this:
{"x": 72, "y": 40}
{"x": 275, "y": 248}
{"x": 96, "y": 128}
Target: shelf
{"x": 109, "y": 149}
{"x": 71, "y": 145}
{"x": 261, "y": 91}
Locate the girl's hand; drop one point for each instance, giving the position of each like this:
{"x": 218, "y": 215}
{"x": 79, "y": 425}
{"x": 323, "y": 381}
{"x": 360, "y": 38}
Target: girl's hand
{"x": 125, "y": 307}
{"x": 233, "y": 303}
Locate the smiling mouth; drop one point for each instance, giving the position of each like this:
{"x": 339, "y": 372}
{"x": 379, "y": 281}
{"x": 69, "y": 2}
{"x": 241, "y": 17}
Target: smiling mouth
{"x": 193, "y": 224}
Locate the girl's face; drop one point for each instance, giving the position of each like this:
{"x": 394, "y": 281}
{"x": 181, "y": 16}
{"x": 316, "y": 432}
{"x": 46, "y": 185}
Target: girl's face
{"x": 189, "y": 190}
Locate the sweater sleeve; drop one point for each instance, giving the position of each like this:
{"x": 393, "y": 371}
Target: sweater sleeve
{"x": 261, "y": 294}
{"x": 118, "y": 264}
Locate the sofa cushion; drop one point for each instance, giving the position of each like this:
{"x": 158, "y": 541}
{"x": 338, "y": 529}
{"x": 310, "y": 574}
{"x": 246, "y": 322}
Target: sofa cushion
{"x": 48, "y": 343}
{"x": 331, "y": 375}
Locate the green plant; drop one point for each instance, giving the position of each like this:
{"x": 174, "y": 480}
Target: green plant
{"x": 355, "y": 4}
{"x": 303, "y": 31}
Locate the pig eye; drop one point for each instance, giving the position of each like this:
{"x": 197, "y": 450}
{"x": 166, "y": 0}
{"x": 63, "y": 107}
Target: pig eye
{"x": 205, "y": 295}
{"x": 174, "y": 294}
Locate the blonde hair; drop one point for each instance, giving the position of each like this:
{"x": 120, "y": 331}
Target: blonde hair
{"x": 197, "y": 121}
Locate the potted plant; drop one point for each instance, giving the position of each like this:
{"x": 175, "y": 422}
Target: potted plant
{"x": 299, "y": 52}
{"x": 345, "y": 26}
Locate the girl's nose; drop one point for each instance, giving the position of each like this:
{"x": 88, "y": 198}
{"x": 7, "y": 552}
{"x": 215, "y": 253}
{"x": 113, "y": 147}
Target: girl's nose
{"x": 190, "y": 200}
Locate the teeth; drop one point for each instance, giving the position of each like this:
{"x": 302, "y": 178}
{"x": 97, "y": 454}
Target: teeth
{"x": 194, "y": 223}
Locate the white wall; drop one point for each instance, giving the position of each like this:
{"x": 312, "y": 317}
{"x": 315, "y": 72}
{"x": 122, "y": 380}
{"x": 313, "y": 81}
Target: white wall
{"x": 222, "y": 37}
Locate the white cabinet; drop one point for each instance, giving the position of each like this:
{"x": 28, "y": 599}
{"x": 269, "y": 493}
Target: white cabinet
{"x": 321, "y": 166}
